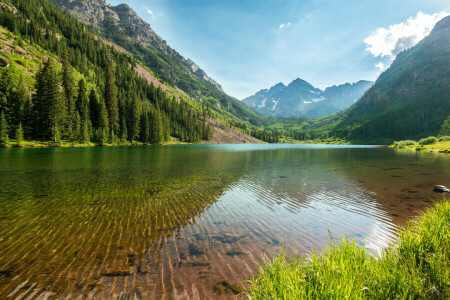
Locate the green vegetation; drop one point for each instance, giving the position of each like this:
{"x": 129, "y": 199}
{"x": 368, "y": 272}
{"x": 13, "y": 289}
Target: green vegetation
{"x": 428, "y": 141}
{"x": 431, "y": 144}
{"x": 404, "y": 143}
{"x": 417, "y": 266}
{"x": 65, "y": 86}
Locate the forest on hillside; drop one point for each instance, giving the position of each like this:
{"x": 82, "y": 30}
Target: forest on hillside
{"x": 109, "y": 104}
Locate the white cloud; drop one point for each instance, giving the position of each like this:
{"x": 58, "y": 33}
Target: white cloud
{"x": 285, "y": 25}
{"x": 398, "y": 37}
{"x": 149, "y": 11}
{"x": 380, "y": 66}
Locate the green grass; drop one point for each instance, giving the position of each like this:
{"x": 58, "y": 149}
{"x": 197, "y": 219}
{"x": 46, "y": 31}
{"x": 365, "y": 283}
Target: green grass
{"x": 443, "y": 145}
{"x": 417, "y": 266}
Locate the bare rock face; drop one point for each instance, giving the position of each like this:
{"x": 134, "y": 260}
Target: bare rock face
{"x": 441, "y": 189}
{"x": 123, "y": 18}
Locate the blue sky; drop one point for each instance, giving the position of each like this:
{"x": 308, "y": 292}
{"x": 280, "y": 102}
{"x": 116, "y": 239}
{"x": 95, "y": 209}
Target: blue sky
{"x": 248, "y": 45}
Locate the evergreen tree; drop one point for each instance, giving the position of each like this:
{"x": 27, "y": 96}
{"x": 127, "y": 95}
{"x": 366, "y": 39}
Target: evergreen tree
{"x": 6, "y": 90}
{"x": 4, "y": 139}
{"x": 156, "y": 130}
{"x": 17, "y": 103}
{"x": 123, "y": 131}
{"x": 82, "y": 101}
{"x": 111, "y": 98}
{"x": 445, "y": 130}
{"x": 134, "y": 112}
{"x": 84, "y": 132}
{"x": 48, "y": 103}
{"x": 77, "y": 134}
{"x": 166, "y": 128}
{"x": 68, "y": 84}
{"x": 94, "y": 109}
{"x": 145, "y": 128}
{"x": 19, "y": 136}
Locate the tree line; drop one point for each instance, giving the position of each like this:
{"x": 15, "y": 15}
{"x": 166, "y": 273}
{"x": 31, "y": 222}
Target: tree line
{"x": 107, "y": 103}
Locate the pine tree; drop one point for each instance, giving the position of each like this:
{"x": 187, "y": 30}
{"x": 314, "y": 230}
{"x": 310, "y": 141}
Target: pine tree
{"x": 82, "y": 101}
{"x": 19, "y": 136}
{"x": 156, "y": 133}
{"x": 4, "y": 139}
{"x": 69, "y": 92}
{"x": 445, "y": 130}
{"x": 134, "y": 112}
{"x": 17, "y": 103}
{"x": 94, "y": 109}
{"x": 123, "y": 131}
{"x": 166, "y": 128}
{"x": 111, "y": 98}
{"x": 48, "y": 103}
{"x": 77, "y": 134}
{"x": 145, "y": 128}
{"x": 84, "y": 132}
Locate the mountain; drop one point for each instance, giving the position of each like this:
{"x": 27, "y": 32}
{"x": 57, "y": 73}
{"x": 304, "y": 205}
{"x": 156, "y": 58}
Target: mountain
{"x": 102, "y": 15}
{"x": 300, "y": 98}
{"x": 122, "y": 26}
{"x": 62, "y": 83}
{"x": 409, "y": 100}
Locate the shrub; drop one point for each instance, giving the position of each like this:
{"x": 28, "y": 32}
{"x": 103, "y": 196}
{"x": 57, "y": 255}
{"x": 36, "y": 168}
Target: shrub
{"x": 428, "y": 141}
{"x": 444, "y": 139}
{"x": 405, "y": 143}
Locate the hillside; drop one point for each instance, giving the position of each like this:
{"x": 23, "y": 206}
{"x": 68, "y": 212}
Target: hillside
{"x": 300, "y": 98}
{"x": 121, "y": 25}
{"x": 409, "y": 100}
{"x": 60, "y": 82}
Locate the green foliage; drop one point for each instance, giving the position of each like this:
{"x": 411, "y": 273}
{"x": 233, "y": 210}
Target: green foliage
{"x": 19, "y": 136}
{"x": 4, "y": 139}
{"x": 444, "y": 138}
{"x": 49, "y": 107}
{"x": 416, "y": 267}
{"x": 60, "y": 110}
{"x": 428, "y": 141}
{"x": 405, "y": 143}
{"x": 445, "y": 129}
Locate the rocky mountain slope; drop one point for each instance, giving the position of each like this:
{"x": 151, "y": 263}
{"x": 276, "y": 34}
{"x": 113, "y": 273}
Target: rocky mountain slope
{"x": 122, "y": 26}
{"x": 100, "y": 14}
{"x": 300, "y": 98}
{"x": 411, "y": 99}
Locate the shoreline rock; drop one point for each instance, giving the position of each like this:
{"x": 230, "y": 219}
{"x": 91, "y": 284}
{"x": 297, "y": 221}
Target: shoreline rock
{"x": 441, "y": 189}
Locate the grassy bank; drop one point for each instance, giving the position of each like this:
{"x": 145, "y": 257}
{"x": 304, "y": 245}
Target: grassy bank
{"x": 429, "y": 144}
{"x": 68, "y": 144}
{"x": 417, "y": 266}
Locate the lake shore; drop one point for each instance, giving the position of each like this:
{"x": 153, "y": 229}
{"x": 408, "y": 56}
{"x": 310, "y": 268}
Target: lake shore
{"x": 409, "y": 268}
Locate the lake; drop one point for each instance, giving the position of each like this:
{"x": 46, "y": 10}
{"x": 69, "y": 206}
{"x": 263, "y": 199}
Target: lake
{"x": 179, "y": 222}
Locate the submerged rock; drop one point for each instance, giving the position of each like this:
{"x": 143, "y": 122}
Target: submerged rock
{"x": 441, "y": 189}
{"x": 229, "y": 238}
{"x": 196, "y": 250}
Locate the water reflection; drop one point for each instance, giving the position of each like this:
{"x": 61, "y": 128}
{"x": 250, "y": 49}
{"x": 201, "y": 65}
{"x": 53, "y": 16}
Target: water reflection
{"x": 170, "y": 222}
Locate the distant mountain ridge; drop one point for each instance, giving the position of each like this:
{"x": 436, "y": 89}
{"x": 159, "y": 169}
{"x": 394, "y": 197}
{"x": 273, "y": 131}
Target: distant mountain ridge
{"x": 300, "y": 98}
{"x": 100, "y": 14}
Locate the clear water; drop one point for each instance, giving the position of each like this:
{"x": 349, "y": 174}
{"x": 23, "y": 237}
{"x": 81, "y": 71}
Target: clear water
{"x": 170, "y": 222}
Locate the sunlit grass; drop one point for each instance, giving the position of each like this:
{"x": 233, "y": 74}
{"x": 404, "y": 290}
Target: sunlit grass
{"x": 417, "y": 266}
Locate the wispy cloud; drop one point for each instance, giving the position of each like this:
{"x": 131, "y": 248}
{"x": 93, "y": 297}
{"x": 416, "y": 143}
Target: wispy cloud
{"x": 398, "y": 37}
{"x": 149, "y": 11}
{"x": 285, "y": 25}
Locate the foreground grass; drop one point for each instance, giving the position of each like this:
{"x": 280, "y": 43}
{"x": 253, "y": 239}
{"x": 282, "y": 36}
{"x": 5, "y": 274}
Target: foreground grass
{"x": 417, "y": 266}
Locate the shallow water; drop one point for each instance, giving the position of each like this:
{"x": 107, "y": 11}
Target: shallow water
{"x": 176, "y": 221}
